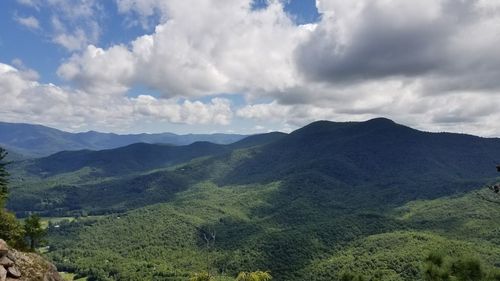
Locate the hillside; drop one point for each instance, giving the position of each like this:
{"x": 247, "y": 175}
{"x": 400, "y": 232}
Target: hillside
{"x": 38, "y": 141}
{"x": 110, "y": 180}
{"x": 325, "y": 199}
{"x": 382, "y": 158}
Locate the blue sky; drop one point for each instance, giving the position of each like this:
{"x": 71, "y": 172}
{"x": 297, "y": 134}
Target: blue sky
{"x": 249, "y": 66}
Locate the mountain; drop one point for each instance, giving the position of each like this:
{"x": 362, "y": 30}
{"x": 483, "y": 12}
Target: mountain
{"x": 375, "y": 197}
{"x": 376, "y": 148}
{"x": 110, "y": 179}
{"x": 37, "y": 141}
{"x": 137, "y": 157}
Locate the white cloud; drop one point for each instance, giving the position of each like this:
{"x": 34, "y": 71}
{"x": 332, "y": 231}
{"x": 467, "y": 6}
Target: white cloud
{"x": 73, "y": 23}
{"x": 208, "y": 47}
{"x": 432, "y": 64}
{"x": 218, "y": 111}
{"x": 35, "y": 102}
{"x": 29, "y": 22}
{"x": 111, "y": 71}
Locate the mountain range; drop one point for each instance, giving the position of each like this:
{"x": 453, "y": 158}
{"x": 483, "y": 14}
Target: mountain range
{"x": 28, "y": 140}
{"x": 371, "y": 197}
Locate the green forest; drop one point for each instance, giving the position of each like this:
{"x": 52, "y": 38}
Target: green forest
{"x": 331, "y": 201}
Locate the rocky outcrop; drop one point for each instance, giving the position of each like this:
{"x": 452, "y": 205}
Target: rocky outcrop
{"x": 19, "y": 266}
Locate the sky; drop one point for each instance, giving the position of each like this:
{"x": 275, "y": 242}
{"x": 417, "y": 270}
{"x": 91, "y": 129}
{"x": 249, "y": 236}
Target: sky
{"x": 249, "y": 66}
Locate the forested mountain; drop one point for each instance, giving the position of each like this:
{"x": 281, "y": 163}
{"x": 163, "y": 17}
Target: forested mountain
{"x": 36, "y": 140}
{"x": 378, "y": 154}
{"x": 370, "y": 197}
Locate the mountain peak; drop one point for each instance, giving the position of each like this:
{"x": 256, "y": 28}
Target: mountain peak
{"x": 380, "y": 120}
{"x": 325, "y": 126}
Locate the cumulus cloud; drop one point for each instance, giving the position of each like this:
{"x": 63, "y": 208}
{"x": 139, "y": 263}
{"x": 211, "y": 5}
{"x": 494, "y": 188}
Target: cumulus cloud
{"x": 207, "y": 47}
{"x": 432, "y": 64}
{"x": 111, "y": 71}
{"x": 437, "y": 40}
{"x": 429, "y": 64}
{"x": 145, "y": 13}
{"x": 31, "y": 101}
{"x": 218, "y": 111}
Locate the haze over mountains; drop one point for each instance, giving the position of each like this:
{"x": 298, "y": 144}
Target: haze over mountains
{"x": 297, "y": 204}
{"x": 35, "y": 140}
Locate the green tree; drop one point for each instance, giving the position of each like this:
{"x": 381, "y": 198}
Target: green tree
{"x": 254, "y": 276}
{"x": 351, "y": 277}
{"x": 467, "y": 270}
{"x": 4, "y": 178}
{"x": 10, "y": 228}
{"x": 440, "y": 268}
{"x": 435, "y": 269}
{"x": 34, "y": 230}
{"x": 203, "y": 276}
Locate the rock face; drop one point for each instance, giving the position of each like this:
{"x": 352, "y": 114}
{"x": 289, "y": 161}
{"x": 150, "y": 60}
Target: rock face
{"x": 18, "y": 266}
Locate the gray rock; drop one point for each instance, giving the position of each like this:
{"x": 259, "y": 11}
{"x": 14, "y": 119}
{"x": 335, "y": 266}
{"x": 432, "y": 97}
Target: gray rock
{"x": 11, "y": 256}
{"x": 13, "y": 272}
{"x": 3, "y": 274}
{"x": 5, "y": 261}
{"x": 4, "y": 249}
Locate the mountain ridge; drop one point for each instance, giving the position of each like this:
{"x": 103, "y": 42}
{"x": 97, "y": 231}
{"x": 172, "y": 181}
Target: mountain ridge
{"x": 294, "y": 204}
{"x": 33, "y": 140}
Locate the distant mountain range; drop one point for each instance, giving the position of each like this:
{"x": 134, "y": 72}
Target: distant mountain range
{"x": 27, "y": 140}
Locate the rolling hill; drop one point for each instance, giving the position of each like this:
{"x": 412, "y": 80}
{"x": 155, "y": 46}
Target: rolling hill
{"x": 72, "y": 180}
{"x": 373, "y": 197}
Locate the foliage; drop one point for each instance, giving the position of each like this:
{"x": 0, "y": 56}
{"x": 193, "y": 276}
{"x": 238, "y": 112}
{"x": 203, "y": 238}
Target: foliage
{"x": 10, "y": 228}
{"x": 327, "y": 199}
{"x": 3, "y": 178}
{"x": 204, "y": 276}
{"x": 254, "y": 276}
{"x": 348, "y": 276}
{"x": 33, "y": 230}
{"x": 440, "y": 268}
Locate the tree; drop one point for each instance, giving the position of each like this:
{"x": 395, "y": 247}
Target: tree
{"x": 10, "y": 228}
{"x": 440, "y": 268}
{"x": 351, "y": 277}
{"x": 204, "y": 276}
{"x": 34, "y": 230}
{"x": 467, "y": 270}
{"x": 4, "y": 178}
{"x": 435, "y": 269}
{"x": 254, "y": 276}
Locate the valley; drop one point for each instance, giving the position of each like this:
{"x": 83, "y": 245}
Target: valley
{"x": 373, "y": 198}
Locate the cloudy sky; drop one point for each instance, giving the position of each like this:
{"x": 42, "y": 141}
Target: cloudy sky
{"x": 249, "y": 66}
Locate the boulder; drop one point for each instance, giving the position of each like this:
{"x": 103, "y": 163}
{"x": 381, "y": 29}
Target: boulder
{"x": 5, "y": 261}
{"x": 3, "y": 273}
{"x": 4, "y": 249}
{"x": 33, "y": 267}
{"x": 19, "y": 266}
{"x": 13, "y": 272}
{"x": 11, "y": 256}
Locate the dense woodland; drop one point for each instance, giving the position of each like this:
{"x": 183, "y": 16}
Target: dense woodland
{"x": 331, "y": 201}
